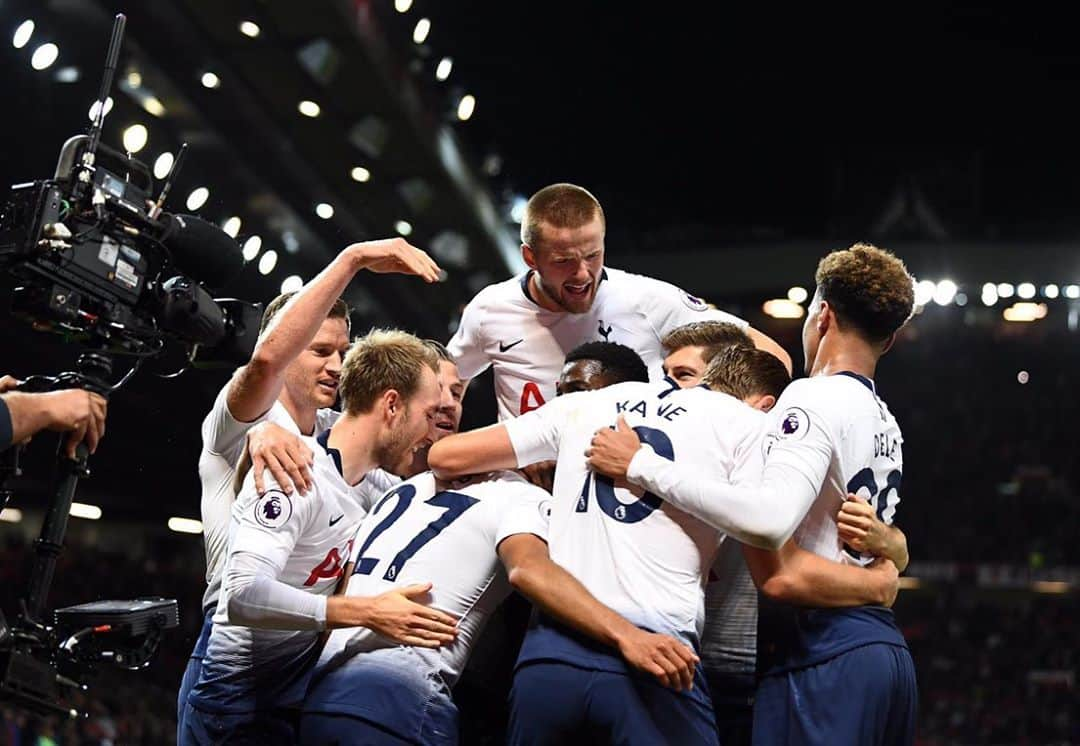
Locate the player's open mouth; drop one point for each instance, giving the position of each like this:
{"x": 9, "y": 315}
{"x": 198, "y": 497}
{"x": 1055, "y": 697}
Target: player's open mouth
{"x": 447, "y": 425}
{"x": 329, "y": 385}
{"x": 578, "y": 290}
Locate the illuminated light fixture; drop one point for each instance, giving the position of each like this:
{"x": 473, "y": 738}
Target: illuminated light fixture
{"x": 89, "y": 512}
{"x": 924, "y": 292}
{"x": 466, "y": 107}
{"x": 162, "y": 165}
{"x": 782, "y": 308}
{"x": 361, "y": 174}
{"x": 210, "y": 80}
{"x": 989, "y": 294}
{"x": 308, "y": 108}
{"x": 10, "y": 515}
{"x": 23, "y": 34}
{"x": 446, "y": 66}
{"x": 1022, "y": 311}
{"x": 250, "y": 29}
{"x": 267, "y": 262}
{"x": 69, "y": 74}
{"x": 944, "y": 292}
{"x": 134, "y": 79}
{"x": 1023, "y": 377}
{"x": 185, "y": 525}
{"x": 1050, "y": 586}
{"x": 1025, "y": 290}
{"x": 324, "y": 210}
{"x": 93, "y": 113}
{"x": 909, "y": 583}
{"x": 402, "y": 6}
{"x": 44, "y": 56}
{"x": 197, "y": 198}
{"x": 1050, "y": 291}
{"x": 421, "y": 31}
{"x": 403, "y": 227}
{"x": 232, "y": 226}
{"x": 1005, "y": 290}
{"x": 1072, "y": 291}
{"x": 153, "y": 105}
{"x": 797, "y": 295}
{"x": 292, "y": 283}
{"x": 135, "y": 138}
{"x": 517, "y": 209}
{"x": 251, "y": 248}
{"x": 961, "y": 299}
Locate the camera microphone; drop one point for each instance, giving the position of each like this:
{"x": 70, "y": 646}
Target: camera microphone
{"x": 201, "y": 249}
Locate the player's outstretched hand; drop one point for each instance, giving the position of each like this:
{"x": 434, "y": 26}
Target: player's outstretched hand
{"x": 396, "y": 615}
{"x": 284, "y": 454}
{"x": 612, "y": 449}
{"x": 670, "y": 661}
{"x": 398, "y": 256}
{"x": 859, "y": 527}
{"x": 542, "y": 474}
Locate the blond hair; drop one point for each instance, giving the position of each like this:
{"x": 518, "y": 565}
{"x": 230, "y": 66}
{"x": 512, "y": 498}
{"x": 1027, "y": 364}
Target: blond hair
{"x": 561, "y": 206}
{"x": 380, "y": 360}
{"x": 743, "y": 372}
{"x": 713, "y": 336}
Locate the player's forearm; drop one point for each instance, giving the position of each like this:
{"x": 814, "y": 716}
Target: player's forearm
{"x": 262, "y": 601}
{"x": 796, "y": 576}
{"x": 562, "y": 596}
{"x": 483, "y": 450}
{"x": 763, "y": 516}
{"x": 258, "y": 383}
{"x": 896, "y": 548}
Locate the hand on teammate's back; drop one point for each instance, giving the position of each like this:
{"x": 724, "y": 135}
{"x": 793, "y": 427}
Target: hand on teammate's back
{"x": 664, "y": 657}
{"x": 395, "y": 614}
{"x": 284, "y": 454}
{"x": 612, "y": 449}
{"x": 396, "y": 255}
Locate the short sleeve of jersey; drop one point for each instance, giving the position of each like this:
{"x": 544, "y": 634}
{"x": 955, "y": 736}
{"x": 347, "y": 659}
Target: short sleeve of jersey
{"x": 668, "y": 307}
{"x": 223, "y": 435}
{"x": 467, "y": 345}
{"x": 535, "y": 435}
{"x": 523, "y": 508}
{"x": 269, "y": 525}
{"x": 802, "y": 434}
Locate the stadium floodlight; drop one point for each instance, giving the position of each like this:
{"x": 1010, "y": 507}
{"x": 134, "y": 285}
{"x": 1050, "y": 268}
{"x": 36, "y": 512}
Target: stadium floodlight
{"x": 1005, "y": 290}
{"x": 782, "y": 308}
{"x": 421, "y": 31}
{"x": 944, "y": 292}
{"x": 1026, "y": 290}
{"x": 23, "y": 34}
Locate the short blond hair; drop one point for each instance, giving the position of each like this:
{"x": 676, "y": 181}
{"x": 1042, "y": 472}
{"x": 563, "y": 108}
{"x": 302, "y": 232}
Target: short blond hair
{"x": 713, "y": 336}
{"x": 561, "y": 206}
{"x": 868, "y": 288}
{"x": 743, "y": 372}
{"x": 381, "y": 360}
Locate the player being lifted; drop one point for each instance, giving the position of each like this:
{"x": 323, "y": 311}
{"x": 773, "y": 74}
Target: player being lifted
{"x": 849, "y": 668}
{"x": 526, "y": 325}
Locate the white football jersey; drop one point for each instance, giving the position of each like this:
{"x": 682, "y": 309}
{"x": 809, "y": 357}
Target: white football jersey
{"x": 527, "y": 344}
{"x": 306, "y": 540}
{"x": 634, "y": 552}
{"x": 419, "y": 534}
{"x": 842, "y": 415}
{"x": 223, "y": 441}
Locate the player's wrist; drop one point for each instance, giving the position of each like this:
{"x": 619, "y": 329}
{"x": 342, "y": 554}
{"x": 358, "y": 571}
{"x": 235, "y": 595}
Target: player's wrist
{"x": 638, "y": 467}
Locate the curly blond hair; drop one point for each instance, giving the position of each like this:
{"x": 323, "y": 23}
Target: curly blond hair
{"x": 868, "y": 288}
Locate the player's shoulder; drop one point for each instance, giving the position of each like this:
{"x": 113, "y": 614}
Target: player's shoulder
{"x": 642, "y": 291}
{"x": 498, "y": 293}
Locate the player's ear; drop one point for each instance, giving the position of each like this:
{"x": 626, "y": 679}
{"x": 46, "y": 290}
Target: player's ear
{"x": 889, "y": 343}
{"x": 826, "y": 318}
{"x": 392, "y": 402}
{"x": 528, "y": 255}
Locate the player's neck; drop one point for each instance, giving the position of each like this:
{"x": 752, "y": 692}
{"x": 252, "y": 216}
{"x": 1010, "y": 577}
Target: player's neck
{"x": 539, "y": 297}
{"x": 353, "y": 436}
{"x": 304, "y": 417}
{"x": 842, "y": 353}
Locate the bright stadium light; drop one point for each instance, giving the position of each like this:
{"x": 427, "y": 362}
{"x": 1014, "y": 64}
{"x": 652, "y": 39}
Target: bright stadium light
{"x": 924, "y": 292}
{"x": 324, "y": 210}
{"x": 197, "y": 198}
{"x": 1023, "y": 377}
{"x": 404, "y": 227}
{"x": 1005, "y": 290}
{"x": 797, "y": 295}
{"x": 163, "y": 164}
{"x": 82, "y": 510}
{"x": 232, "y": 226}
{"x": 944, "y": 292}
{"x": 292, "y": 283}
{"x": 1025, "y": 290}
{"x": 250, "y": 29}
{"x": 402, "y": 6}
{"x": 309, "y": 108}
{"x": 361, "y": 174}
{"x": 44, "y": 56}
{"x": 989, "y": 294}
{"x": 153, "y": 105}
{"x": 251, "y": 248}
{"x": 135, "y": 138}
{"x": 446, "y": 66}
{"x": 93, "y": 113}
{"x": 466, "y": 107}
{"x": 1072, "y": 291}
{"x": 1023, "y": 311}
{"x": 1050, "y": 291}
{"x": 185, "y": 525}
{"x": 23, "y": 34}
{"x": 420, "y": 33}
{"x": 10, "y": 515}
{"x": 210, "y": 80}
{"x": 782, "y": 308}
{"x": 267, "y": 262}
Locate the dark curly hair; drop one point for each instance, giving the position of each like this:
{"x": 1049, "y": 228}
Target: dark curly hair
{"x": 616, "y": 360}
{"x": 868, "y": 288}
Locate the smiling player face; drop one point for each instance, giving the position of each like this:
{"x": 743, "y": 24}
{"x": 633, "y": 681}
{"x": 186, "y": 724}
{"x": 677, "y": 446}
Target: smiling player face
{"x": 311, "y": 380}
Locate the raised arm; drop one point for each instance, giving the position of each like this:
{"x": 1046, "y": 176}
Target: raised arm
{"x": 562, "y": 596}
{"x": 256, "y": 385}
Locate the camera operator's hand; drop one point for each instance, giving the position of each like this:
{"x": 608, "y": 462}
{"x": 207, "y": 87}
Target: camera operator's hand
{"x": 284, "y": 454}
{"x": 395, "y": 255}
{"x": 78, "y": 411}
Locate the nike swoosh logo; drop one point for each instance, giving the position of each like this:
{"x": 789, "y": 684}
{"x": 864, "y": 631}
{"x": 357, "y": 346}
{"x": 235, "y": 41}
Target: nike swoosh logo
{"x": 505, "y": 347}
{"x": 335, "y": 520}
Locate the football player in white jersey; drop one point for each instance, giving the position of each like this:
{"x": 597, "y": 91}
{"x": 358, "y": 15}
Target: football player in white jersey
{"x": 290, "y": 382}
{"x": 474, "y": 540}
{"x": 526, "y": 325}
{"x": 285, "y": 554}
{"x": 832, "y": 436}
